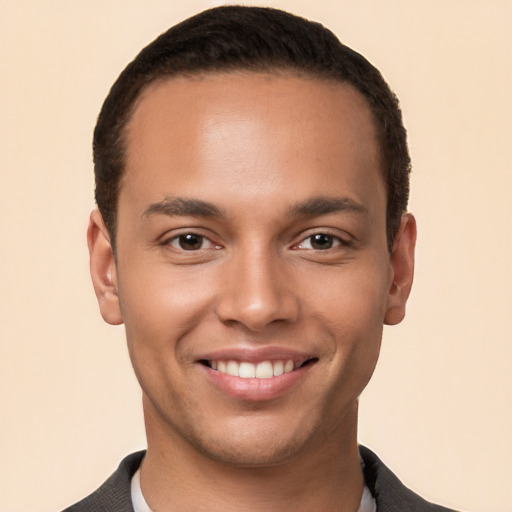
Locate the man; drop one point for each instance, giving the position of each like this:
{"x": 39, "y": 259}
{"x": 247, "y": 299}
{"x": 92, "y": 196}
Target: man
{"x": 252, "y": 236}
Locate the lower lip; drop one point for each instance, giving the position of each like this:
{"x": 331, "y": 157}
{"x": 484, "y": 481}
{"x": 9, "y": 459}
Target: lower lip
{"x": 256, "y": 390}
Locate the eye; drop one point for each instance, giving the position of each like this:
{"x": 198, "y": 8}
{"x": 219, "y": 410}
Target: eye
{"x": 190, "y": 242}
{"x": 320, "y": 242}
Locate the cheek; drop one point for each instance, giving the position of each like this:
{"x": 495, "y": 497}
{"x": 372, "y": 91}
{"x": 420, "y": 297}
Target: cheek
{"x": 159, "y": 308}
{"x": 351, "y": 307}
{"x": 159, "y": 312}
{"x": 353, "y": 296}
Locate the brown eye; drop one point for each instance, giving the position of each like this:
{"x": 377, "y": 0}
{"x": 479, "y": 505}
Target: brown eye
{"x": 321, "y": 241}
{"x": 188, "y": 242}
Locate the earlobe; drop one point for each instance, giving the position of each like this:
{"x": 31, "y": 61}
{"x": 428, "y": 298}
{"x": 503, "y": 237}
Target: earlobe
{"x": 103, "y": 269}
{"x": 402, "y": 265}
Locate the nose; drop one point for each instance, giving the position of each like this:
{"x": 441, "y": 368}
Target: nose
{"x": 257, "y": 292}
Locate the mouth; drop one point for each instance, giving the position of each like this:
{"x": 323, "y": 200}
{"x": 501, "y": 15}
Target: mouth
{"x": 267, "y": 369}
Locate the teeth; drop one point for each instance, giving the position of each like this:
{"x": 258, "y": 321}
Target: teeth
{"x": 264, "y": 370}
{"x": 233, "y": 368}
{"x": 246, "y": 370}
{"x": 278, "y": 368}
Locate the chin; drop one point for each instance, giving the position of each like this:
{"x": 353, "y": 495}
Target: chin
{"x": 252, "y": 453}
{"x": 253, "y": 444}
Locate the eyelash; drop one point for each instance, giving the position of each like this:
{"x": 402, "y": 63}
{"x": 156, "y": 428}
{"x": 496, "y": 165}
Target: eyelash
{"x": 180, "y": 238}
{"x": 333, "y": 241}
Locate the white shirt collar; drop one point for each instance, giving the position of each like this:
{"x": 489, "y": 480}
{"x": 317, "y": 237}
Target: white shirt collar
{"x": 139, "y": 503}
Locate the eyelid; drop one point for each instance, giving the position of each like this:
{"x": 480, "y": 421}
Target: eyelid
{"x": 344, "y": 241}
{"x": 174, "y": 243}
{"x": 170, "y": 237}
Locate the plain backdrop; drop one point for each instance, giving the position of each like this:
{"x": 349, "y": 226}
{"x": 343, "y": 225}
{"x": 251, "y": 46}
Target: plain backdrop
{"x": 438, "y": 410}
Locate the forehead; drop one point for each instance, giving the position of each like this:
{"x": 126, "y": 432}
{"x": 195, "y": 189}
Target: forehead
{"x": 216, "y": 130}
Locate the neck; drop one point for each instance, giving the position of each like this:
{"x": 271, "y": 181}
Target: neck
{"x": 323, "y": 476}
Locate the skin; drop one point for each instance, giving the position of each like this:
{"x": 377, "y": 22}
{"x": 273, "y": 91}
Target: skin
{"x": 278, "y": 159}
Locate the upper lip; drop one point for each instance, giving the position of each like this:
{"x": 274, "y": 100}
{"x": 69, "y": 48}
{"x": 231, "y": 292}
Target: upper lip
{"x": 257, "y": 355}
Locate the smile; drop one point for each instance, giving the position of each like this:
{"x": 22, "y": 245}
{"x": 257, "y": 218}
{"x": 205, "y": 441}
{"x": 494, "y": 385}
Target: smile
{"x": 262, "y": 370}
{"x": 256, "y": 375}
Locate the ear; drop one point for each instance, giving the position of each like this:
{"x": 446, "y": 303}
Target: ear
{"x": 103, "y": 269}
{"x": 402, "y": 266}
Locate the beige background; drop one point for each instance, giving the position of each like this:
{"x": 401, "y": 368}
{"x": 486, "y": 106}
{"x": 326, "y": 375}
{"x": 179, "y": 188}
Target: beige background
{"x": 438, "y": 408}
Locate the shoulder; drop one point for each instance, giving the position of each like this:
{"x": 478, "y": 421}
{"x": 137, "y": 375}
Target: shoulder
{"x": 115, "y": 493}
{"x": 389, "y": 492}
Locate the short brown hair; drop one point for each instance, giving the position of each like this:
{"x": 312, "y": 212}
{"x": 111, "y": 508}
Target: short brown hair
{"x": 249, "y": 38}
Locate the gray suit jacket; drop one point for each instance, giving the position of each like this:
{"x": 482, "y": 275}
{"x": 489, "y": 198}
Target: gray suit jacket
{"x": 390, "y": 494}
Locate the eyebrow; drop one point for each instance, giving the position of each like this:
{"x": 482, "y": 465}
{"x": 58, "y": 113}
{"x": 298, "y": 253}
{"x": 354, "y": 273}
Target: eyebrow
{"x": 178, "y": 206}
{"x": 323, "y": 205}
{"x": 320, "y": 205}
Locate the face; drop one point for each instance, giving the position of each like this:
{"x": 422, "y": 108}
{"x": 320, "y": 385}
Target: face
{"x": 252, "y": 271}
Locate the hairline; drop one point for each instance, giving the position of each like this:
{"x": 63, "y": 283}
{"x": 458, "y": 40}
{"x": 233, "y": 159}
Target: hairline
{"x": 270, "y": 69}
